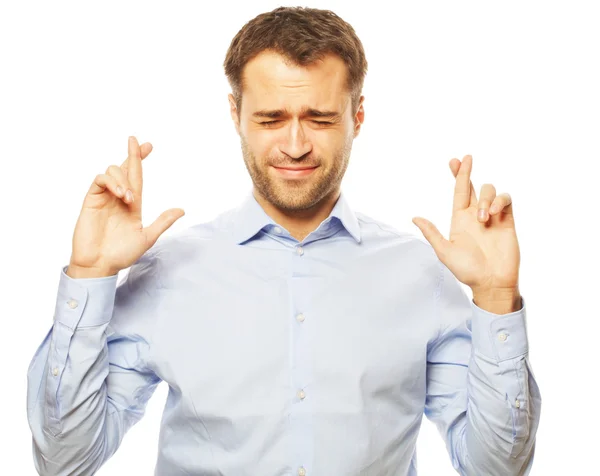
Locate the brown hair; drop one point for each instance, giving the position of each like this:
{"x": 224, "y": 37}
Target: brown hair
{"x": 302, "y": 35}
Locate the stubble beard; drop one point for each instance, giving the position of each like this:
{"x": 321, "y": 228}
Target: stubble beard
{"x": 291, "y": 195}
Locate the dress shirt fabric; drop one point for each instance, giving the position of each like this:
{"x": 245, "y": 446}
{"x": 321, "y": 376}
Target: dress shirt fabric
{"x": 312, "y": 358}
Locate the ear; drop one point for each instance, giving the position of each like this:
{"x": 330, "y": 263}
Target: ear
{"x": 359, "y": 117}
{"x": 234, "y": 113}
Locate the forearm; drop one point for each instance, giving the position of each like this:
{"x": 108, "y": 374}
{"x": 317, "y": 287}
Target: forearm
{"x": 68, "y": 412}
{"x": 501, "y": 420}
{"x": 69, "y": 415}
{"x": 503, "y": 400}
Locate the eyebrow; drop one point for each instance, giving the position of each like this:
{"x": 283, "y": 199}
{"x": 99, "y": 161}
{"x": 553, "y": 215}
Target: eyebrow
{"x": 307, "y": 111}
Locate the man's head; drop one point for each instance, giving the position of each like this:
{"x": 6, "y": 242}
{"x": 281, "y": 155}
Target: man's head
{"x": 296, "y": 76}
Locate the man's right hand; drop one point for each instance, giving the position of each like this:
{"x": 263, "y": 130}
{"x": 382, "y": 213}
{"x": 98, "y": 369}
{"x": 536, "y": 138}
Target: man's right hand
{"x": 109, "y": 235}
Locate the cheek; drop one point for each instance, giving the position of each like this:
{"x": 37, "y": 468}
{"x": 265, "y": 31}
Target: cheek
{"x": 257, "y": 142}
{"x": 264, "y": 145}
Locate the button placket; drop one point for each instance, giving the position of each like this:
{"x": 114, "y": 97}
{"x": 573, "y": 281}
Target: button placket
{"x": 301, "y": 425}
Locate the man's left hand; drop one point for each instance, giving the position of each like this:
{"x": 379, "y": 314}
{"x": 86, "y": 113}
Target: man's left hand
{"x": 482, "y": 251}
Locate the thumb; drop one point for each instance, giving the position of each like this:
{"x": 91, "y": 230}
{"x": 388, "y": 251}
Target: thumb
{"x": 432, "y": 235}
{"x": 162, "y": 223}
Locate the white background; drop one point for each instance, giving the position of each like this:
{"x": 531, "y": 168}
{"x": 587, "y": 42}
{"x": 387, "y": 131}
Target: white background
{"x": 515, "y": 84}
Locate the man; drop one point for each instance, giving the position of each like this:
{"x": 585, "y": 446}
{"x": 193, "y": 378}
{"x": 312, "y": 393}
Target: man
{"x": 297, "y": 337}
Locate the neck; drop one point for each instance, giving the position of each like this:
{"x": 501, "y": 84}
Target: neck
{"x": 300, "y": 223}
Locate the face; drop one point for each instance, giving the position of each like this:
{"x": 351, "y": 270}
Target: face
{"x": 296, "y": 116}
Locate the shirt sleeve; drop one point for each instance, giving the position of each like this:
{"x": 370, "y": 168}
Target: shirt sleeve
{"x": 481, "y": 391}
{"x": 90, "y": 379}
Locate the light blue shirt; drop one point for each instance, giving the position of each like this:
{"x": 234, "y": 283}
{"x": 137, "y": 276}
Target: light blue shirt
{"x": 314, "y": 358}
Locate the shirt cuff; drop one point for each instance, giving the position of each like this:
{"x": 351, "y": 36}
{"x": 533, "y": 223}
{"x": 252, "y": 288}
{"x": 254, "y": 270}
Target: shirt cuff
{"x": 85, "y": 302}
{"x": 499, "y": 336}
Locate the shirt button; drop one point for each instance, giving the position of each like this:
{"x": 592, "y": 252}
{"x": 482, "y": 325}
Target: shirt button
{"x": 72, "y": 303}
{"x": 301, "y": 471}
{"x": 55, "y": 371}
{"x": 300, "y": 317}
{"x": 301, "y": 394}
{"x": 299, "y": 250}
{"x": 277, "y": 229}
{"x": 502, "y": 337}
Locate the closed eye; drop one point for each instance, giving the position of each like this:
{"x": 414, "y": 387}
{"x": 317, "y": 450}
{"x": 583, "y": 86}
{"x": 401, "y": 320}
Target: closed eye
{"x": 266, "y": 123}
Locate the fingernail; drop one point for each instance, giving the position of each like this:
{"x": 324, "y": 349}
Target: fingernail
{"x": 493, "y": 209}
{"x": 129, "y": 196}
{"x": 481, "y": 214}
{"x": 119, "y": 191}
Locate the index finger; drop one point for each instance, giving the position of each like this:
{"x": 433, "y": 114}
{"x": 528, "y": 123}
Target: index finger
{"x": 462, "y": 189}
{"x": 134, "y": 165}
{"x": 454, "y": 167}
{"x": 145, "y": 150}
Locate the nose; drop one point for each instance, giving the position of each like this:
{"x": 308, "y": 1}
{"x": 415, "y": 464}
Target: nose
{"x": 295, "y": 143}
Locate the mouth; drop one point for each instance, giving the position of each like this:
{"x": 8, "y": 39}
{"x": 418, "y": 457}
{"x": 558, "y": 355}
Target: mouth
{"x": 294, "y": 173}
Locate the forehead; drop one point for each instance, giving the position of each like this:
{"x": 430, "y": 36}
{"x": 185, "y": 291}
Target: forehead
{"x": 271, "y": 81}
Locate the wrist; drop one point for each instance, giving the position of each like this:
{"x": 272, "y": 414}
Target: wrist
{"x": 498, "y": 300}
{"x": 78, "y": 272}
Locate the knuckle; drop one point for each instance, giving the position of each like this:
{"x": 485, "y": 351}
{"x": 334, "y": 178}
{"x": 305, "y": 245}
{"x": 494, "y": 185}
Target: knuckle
{"x": 112, "y": 170}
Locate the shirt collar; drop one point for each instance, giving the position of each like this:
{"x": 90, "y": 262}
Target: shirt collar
{"x": 249, "y": 218}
